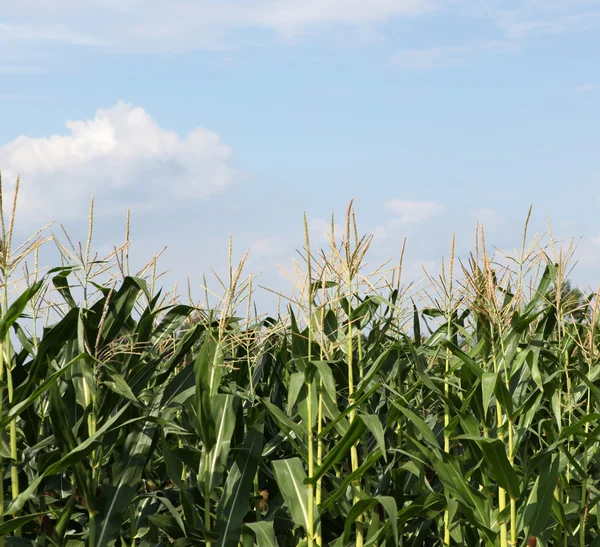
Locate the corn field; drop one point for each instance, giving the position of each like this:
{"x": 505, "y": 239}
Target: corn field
{"x": 367, "y": 411}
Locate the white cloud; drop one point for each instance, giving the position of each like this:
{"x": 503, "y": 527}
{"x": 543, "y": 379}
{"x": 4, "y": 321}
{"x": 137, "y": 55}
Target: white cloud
{"x": 489, "y": 218}
{"x": 21, "y": 68}
{"x": 588, "y": 251}
{"x": 438, "y": 57}
{"x": 22, "y": 97}
{"x": 380, "y": 233}
{"x": 407, "y": 213}
{"x": 165, "y": 27}
{"x": 267, "y": 247}
{"x": 413, "y": 212}
{"x": 427, "y": 58}
{"x": 526, "y": 18}
{"x": 320, "y": 230}
{"x": 295, "y": 14}
{"x": 58, "y": 33}
{"x": 123, "y": 155}
{"x": 585, "y": 88}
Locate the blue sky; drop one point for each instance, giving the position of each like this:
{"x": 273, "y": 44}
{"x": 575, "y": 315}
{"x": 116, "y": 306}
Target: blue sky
{"x": 210, "y": 118}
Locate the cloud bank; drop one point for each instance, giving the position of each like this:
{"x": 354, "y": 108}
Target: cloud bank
{"x": 123, "y": 155}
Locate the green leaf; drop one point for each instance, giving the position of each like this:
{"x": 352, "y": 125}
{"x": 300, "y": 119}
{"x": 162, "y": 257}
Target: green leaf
{"x": 464, "y": 357}
{"x": 120, "y": 307}
{"x": 494, "y": 452}
{"x": 127, "y": 473}
{"x": 263, "y": 532}
{"x": 340, "y": 422}
{"x": 294, "y": 387}
{"x": 17, "y": 307}
{"x": 61, "y": 283}
{"x": 536, "y": 512}
{"x": 367, "y": 504}
{"x": 330, "y": 325}
{"x": 225, "y": 409}
{"x": 374, "y": 425}
{"x": 340, "y": 449}
{"x": 15, "y": 541}
{"x": 391, "y": 508}
{"x": 504, "y": 398}
{"x": 235, "y": 500}
{"x": 290, "y": 428}
{"x": 474, "y": 503}
{"x": 20, "y": 406}
{"x": 15, "y": 523}
{"x": 118, "y": 384}
{"x": 326, "y": 377}
{"x": 77, "y": 454}
{"x": 203, "y": 370}
{"x": 422, "y": 427}
{"x": 172, "y": 320}
{"x": 360, "y": 507}
{"x": 290, "y": 477}
{"x": 488, "y": 385}
{"x": 341, "y": 490}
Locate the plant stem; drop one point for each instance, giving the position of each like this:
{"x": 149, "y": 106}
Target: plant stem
{"x": 207, "y": 516}
{"x": 319, "y": 460}
{"x": 446, "y": 432}
{"x": 1, "y": 437}
{"x": 310, "y": 387}
{"x": 353, "y": 449}
{"x": 311, "y": 469}
{"x": 501, "y": 491}
{"x": 5, "y": 351}
{"x": 449, "y": 315}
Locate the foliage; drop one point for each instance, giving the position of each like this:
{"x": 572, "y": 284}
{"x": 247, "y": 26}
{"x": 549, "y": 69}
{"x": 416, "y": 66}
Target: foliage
{"x": 468, "y": 418}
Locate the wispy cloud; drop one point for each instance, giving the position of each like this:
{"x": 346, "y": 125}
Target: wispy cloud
{"x": 406, "y": 213}
{"x": 527, "y": 18}
{"x": 165, "y": 28}
{"x": 427, "y": 58}
{"x": 585, "y": 88}
{"x": 22, "y": 97}
{"x": 267, "y": 247}
{"x": 58, "y": 33}
{"x": 413, "y": 212}
{"x": 440, "y": 57}
{"x": 22, "y": 68}
{"x": 320, "y": 230}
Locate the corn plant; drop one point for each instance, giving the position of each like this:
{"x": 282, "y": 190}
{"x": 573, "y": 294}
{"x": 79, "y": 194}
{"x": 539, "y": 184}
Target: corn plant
{"x": 463, "y": 411}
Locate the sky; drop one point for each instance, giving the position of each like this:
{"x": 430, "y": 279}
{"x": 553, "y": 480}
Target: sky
{"x": 215, "y": 118}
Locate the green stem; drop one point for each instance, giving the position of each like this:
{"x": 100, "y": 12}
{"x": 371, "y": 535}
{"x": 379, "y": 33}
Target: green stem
{"x": 583, "y": 510}
{"x": 353, "y": 449}
{"x": 311, "y": 469}
{"x": 92, "y": 530}
{"x": 318, "y": 492}
{"x": 447, "y": 424}
{"x": 207, "y": 517}
{"x": 1, "y": 499}
{"x": 14, "y": 469}
{"x": 500, "y": 435}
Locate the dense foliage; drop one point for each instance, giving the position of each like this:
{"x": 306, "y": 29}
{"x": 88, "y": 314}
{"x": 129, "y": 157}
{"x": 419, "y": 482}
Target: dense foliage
{"x": 463, "y": 413}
